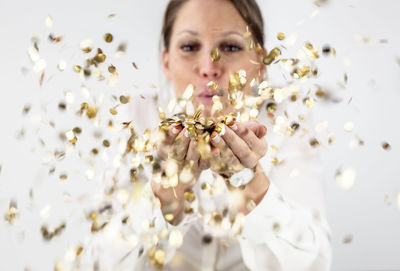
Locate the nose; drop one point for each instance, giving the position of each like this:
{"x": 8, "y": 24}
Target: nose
{"x": 208, "y": 68}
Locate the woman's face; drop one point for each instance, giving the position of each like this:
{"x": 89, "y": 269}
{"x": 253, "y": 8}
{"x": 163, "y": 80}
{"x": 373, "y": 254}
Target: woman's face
{"x": 200, "y": 27}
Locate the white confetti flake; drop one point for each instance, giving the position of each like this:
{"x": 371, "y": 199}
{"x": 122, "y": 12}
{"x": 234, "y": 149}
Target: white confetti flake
{"x": 346, "y": 179}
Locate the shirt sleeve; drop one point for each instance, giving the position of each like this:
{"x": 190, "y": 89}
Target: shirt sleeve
{"x": 287, "y": 230}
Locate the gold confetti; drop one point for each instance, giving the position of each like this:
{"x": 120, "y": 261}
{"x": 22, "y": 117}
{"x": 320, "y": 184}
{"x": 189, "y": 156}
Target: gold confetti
{"x": 96, "y": 227}
{"x": 300, "y": 72}
{"x": 348, "y": 239}
{"x": 169, "y": 217}
{"x": 112, "y": 69}
{"x": 188, "y": 209}
{"x": 247, "y": 35}
{"x": 189, "y": 196}
{"x": 135, "y": 66}
{"x": 159, "y": 257}
{"x": 62, "y": 106}
{"x": 53, "y": 38}
{"x": 386, "y": 146}
{"x": 99, "y": 57}
{"x": 86, "y": 46}
{"x": 11, "y": 213}
{"x": 272, "y": 56}
{"x": 63, "y": 177}
{"x": 314, "y": 142}
{"x": 78, "y": 251}
{"x": 310, "y": 51}
{"x": 26, "y": 109}
{"x": 77, "y": 68}
{"x": 356, "y": 141}
{"x": 121, "y": 50}
{"x": 48, "y": 235}
{"x": 77, "y": 130}
{"x": 113, "y": 111}
{"x": 276, "y": 227}
{"x": 271, "y": 107}
{"x": 108, "y": 37}
{"x": 124, "y": 99}
{"x": 281, "y": 36}
{"x": 212, "y": 85}
{"x": 91, "y": 112}
{"x": 215, "y": 55}
{"x": 106, "y": 143}
{"x": 309, "y": 102}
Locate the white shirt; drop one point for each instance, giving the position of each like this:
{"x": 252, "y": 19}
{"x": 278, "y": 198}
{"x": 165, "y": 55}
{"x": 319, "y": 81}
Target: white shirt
{"x": 286, "y": 231}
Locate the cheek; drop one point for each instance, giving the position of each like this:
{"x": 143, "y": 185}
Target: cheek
{"x": 181, "y": 76}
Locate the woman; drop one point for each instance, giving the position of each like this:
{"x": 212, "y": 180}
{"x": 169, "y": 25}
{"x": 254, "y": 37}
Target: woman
{"x": 270, "y": 224}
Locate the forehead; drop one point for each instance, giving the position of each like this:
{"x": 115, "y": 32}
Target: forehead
{"x": 208, "y": 16}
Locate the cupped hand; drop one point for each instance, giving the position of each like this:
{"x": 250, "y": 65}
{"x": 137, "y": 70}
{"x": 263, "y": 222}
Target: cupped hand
{"x": 240, "y": 146}
{"x": 179, "y": 146}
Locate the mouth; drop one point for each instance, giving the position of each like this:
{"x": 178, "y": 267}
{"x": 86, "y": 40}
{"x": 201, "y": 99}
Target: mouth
{"x": 206, "y": 96}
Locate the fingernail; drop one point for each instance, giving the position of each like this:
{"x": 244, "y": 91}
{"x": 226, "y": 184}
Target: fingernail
{"x": 216, "y": 139}
{"x": 175, "y": 130}
{"x": 187, "y": 133}
{"x": 234, "y": 127}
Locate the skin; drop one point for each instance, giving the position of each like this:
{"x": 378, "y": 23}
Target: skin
{"x": 200, "y": 27}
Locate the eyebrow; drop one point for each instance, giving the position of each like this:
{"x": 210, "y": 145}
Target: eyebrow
{"x": 194, "y": 33}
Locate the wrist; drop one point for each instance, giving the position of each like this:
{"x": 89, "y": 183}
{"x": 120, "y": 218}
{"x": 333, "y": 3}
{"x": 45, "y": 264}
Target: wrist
{"x": 258, "y": 187}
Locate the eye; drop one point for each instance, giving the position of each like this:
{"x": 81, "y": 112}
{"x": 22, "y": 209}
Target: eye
{"x": 189, "y": 47}
{"x": 230, "y": 48}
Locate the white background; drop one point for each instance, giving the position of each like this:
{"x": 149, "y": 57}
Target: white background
{"x": 370, "y": 100}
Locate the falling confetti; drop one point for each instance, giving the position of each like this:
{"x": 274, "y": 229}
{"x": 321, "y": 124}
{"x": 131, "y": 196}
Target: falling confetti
{"x": 49, "y": 21}
{"x": 215, "y": 55}
{"x": 346, "y": 178}
{"x": 386, "y": 146}
{"x": 108, "y": 37}
{"x": 281, "y": 36}
{"x": 348, "y": 239}
{"x": 96, "y": 136}
{"x": 348, "y": 126}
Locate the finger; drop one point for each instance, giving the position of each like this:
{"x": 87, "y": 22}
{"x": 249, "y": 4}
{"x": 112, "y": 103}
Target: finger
{"x": 165, "y": 145}
{"x": 240, "y": 149}
{"x": 192, "y": 153}
{"x": 245, "y": 132}
{"x": 180, "y": 145}
{"x": 222, "y": 151}
{"x": 173, "y": 132}
{"x": 203, "y": 165}
{"x": 258, "y": 129}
